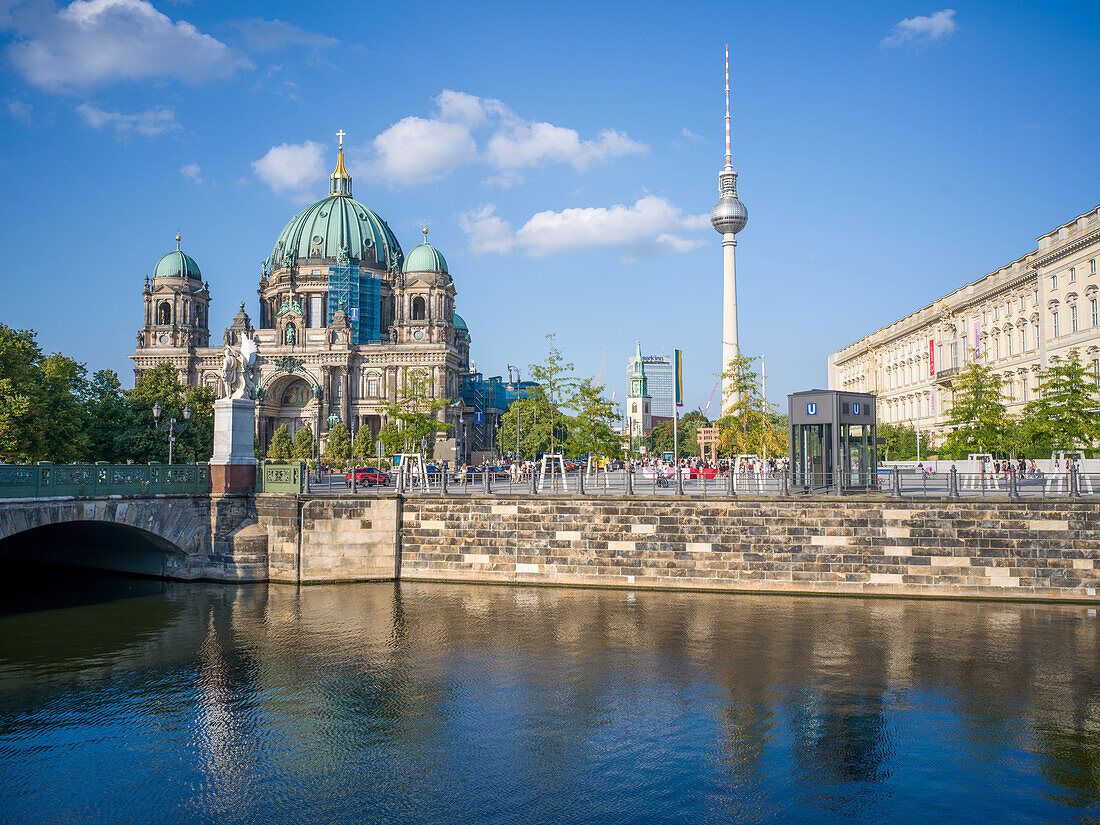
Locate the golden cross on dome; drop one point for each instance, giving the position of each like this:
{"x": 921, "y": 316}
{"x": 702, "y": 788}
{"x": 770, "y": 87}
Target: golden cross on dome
{"x": 341, "y": 135}
{"x": 425, "y": 231}
{"x": 178, "y": 239}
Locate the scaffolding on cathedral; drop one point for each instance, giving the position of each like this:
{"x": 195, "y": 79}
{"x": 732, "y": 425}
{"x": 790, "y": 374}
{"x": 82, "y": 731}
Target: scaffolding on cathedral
{"x": 361, "y": 295}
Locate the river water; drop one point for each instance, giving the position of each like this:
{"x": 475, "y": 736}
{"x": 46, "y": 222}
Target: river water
{"x": 137, "y": 701}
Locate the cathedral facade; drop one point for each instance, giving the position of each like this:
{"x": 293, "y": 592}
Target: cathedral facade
{"x": 348, "y": 325}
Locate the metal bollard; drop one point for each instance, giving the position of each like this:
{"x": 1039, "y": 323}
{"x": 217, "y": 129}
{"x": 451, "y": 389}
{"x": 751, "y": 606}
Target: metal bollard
{"x": 1074, "y": 482}
{"x": 485, "y": 484}
{"x": 443, "y": 482}
{"x": 895, "y": 483}
{"x": 1013, "y": 489}
{"x": 679, "y": 482}
{"x": 580, "y": 481}
{"x": 532, "y": 481}
{"x": 354, "y": 480}
{"x": 628, "y": 473}
{"x": 731, "y": 489}
{"x": 953, "y": 483}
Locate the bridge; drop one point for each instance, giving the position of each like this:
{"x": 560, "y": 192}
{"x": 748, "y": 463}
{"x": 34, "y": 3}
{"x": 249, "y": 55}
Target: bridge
{"x": 988, "y": 546}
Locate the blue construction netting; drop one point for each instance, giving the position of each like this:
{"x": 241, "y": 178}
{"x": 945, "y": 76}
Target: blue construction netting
{"x": 360, "y": 293}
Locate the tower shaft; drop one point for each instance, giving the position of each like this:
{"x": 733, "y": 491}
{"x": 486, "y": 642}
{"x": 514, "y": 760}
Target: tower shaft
{"x": 729, "y": 320}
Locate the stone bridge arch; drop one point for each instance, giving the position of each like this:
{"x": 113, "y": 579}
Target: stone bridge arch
{"x": 165, "y": 536}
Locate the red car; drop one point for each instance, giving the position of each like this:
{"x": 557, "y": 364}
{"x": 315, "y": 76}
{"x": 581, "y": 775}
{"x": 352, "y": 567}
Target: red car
{"x": 368, "y": 476}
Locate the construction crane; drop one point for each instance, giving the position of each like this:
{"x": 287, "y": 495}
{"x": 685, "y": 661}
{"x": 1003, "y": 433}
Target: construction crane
{"x": 707, "y": 407}
{"x": 602, "y": 362}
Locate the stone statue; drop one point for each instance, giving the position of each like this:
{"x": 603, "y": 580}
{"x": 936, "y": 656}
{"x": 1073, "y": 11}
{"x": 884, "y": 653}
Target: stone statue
{"x": 240, "y": 370}
{"x": 290, "y": 334}
{"x": 140, "y": 340}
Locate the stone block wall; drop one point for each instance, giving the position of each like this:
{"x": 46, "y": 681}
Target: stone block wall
{"x": 330, "y": 539}
{"x": 997, "y": 549}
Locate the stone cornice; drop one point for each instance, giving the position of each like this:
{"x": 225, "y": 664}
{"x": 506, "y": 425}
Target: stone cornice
{"x": 1066, "y": 249}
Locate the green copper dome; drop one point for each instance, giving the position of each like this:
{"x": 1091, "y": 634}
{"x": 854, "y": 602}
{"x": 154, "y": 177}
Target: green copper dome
{"x": 460, "y": 323}
{"x": 332, "y": 228}
{"x": 425, "y": 258}
{"x": 177, "y": 264}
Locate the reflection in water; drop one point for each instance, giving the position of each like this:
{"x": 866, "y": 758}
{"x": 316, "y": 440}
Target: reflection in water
{"x": 444, "y": 703}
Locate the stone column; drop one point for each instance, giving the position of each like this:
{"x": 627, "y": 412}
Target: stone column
{"x": 233, "y": 465}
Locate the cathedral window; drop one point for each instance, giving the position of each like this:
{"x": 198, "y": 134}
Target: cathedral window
{"x": 418, "y": 309}
{"x": 372, "y": 387}
{"x": 634, "y": 407}
{"x": 164, "y": 313}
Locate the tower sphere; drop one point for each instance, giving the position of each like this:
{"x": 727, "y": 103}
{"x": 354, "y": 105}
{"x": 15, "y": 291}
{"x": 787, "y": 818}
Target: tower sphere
{"x": 729, "y": 215}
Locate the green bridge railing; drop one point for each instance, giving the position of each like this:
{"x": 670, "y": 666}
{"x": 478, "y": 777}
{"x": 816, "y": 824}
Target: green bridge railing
{"x": 44, "y": 479}
{"x": 279, "y": 477}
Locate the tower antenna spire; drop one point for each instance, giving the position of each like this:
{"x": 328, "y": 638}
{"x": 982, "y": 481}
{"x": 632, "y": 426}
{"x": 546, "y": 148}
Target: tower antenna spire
{"x": 729, "y": 155}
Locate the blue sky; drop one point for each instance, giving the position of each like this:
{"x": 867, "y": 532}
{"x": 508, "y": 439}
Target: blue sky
{"x": 564, "y": 156}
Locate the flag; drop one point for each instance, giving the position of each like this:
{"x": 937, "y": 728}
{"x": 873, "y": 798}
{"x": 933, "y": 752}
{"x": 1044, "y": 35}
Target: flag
{"x": 679, "y": 373}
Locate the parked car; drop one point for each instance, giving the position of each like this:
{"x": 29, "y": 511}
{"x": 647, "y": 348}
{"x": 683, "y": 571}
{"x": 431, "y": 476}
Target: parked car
{"x": 368, "y": 476}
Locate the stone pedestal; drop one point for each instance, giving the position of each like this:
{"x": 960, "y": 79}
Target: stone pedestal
{"x": 233, "y": 465}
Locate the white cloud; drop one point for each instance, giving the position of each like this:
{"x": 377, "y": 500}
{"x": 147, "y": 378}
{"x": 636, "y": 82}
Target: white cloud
{"x": 193, "y": 172}
{"x": 532, "y": 144}
{"x": 149, "y": 123}
{"x": 273, "y": 35}
{"x": 644, "y": 224}
{"x": 921, "y": 30}
{"x": 19, "y": 110}
{"x": 419, "y": 149}
{"x": 95, "y": 42}
{"x": 690, "y": 135}
{"x": 292, "y": 168}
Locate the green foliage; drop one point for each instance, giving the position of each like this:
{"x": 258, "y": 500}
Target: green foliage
{"x": 534, "y": 415}
{"x": 137, "y": 437}
{"x": 1064, "y": 417}
{"x": 752, "y": 426}
{"x": 281, "y": 447}
{"x": 303, "y": 445}
{"x": 978, "y": 416}
{"x": 590, "y": 430}
{"x": 419, "y": 414}
{"x": 106, "y": 406}
{"x": 338, "y": 446}
{"x": 558, "y": 385}
{"x": 901, "y": 443}
{"x": 42, "y": 414}
{"x": 659, "y": 439}
{"x": 363, "y": 446}
{"x": 392, "y": 440}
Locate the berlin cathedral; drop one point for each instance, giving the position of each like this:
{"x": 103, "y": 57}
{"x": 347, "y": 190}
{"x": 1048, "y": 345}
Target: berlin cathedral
{"x": 347, "y": 324}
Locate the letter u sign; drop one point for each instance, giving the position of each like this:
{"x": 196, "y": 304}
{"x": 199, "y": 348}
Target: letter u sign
{"x": 811, "y": 409}
{"x": 855, "y": 409}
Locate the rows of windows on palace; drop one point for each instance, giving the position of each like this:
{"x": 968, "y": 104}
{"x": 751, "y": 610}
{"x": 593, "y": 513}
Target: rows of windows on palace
{"x": 366, "y": 385}
{"x": 1005, "y": 330}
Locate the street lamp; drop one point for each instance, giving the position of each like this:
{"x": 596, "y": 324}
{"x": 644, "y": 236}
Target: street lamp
{"x": 513, "y": 387}
{"x": 171, "y": 425}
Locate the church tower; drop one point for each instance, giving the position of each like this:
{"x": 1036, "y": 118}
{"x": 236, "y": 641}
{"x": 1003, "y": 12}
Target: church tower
{"x": 639, "y": 420}
{"x": 177, "y": 305}
{"x": 728, "y": 217}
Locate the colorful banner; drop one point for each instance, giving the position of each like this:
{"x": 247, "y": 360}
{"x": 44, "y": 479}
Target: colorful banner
{"x": 932, "y": 357}
{"x": 977, "y": 340}
{"x": 678, "y": 371}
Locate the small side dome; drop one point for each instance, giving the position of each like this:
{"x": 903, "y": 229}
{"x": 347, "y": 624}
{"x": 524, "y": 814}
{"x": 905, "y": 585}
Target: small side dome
{"x": 460, "y": 323}
{"x": 177, "y": 264}
{"x": 425, "y": 258}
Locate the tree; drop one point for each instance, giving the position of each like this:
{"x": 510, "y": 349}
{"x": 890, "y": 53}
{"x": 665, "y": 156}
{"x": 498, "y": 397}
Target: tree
{"x": 901, "y": 442}
{"x": 558, "y": 383}
{"x": 303, "y": 445}
{"x": 1064, "y": 415}
{"x": 534, "y": 415}
{"x": 590, "y": 430}
{"x": 42, "y": 413}
{"x": 659, "y": 439}
{"x": 418, "y": 412}
{"x": 390, "y": 436}
{"x": 106, "y": 407}
{"x": 751, "y": 426}
{"x": 281, "y": 447}
{"x": 363, "y": 446}
{"x": 138, "y": 438}
{"x": 977, "y": 413}
{"x": 338, "y": 445}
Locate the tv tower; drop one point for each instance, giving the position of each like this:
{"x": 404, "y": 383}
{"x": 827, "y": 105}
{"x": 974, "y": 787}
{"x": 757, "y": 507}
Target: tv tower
{"x": 728, "y": 217}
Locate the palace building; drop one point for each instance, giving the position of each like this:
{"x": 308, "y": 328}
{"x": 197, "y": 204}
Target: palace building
{"x": 347, "y": 326}
{"x": 1018, "y": 319}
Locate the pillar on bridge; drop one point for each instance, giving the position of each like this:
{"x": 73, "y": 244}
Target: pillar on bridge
{"x": 233, "y": 465}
